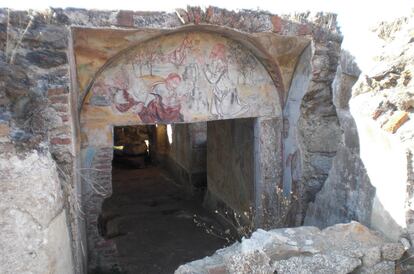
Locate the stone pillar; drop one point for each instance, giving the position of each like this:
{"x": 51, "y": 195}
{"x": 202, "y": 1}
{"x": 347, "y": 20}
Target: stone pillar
{"x": 230, "y": 172}
{"x": 270, "y": 209}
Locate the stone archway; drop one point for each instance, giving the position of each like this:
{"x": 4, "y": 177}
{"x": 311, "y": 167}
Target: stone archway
{"x": 181, "y": 77}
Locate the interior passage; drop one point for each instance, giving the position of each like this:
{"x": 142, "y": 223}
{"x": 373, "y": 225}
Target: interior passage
{"x": 152, "y": 222}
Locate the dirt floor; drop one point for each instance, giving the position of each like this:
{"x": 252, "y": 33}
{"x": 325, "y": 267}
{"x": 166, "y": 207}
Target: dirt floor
{"x": 152, "y": 222}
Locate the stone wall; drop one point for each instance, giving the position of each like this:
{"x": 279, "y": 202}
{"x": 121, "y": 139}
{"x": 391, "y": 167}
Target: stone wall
{"x": 343, "y": 248}
{"x": 371, "y": 177}
{"x": 36, "y": 111}
{"x": 186, "y": 159}
{"x": 35, "y": 236}
{"x": 96, "y": 173}
{"x": 272, "y": 207}
{"x": 160, "y": 144}
{"x": 311, "y": 128}
{"x": 230, "y": 165}
{"x": 347, "y": 193}
{"x": 50, "y": 58}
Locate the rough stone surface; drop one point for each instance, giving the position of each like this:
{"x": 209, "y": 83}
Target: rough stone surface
{"x": 307, "y": 159}
{"x": 294, "y": 34}
{"x": 392, "y": 251}
{"x": 343, "y": 248}
{"x": 372, "y": 172}
{"x": 39, "y": 104}
{"x": 319, "y": 263}
{"x": 339, "y": 201}
{"x": 347, "y": 193}
{"x": 35, "y": 237}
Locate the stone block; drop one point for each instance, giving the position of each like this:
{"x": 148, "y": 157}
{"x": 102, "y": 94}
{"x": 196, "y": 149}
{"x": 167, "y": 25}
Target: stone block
{"x": 392, "y": 251}
{"x": 322, "y": 163}
{"x": 396, "y": 121}
{"x": 385, "y": 267}
{"x": 61, "y": 99}
{"x": 217, "y": 269}
{"x": 57, "y": 91}
{"x": 4, "y": 130}
{"x": 46, "y": 58}
{"x": 125, "y": 18}
{"x": 371, "y": 256}
{"x": 60, "y": 141}
{"x": 277, "y": 23}
{"x": 304, "y": 29}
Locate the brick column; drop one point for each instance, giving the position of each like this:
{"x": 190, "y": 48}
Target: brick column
{"x": 97, "y": 185}
{"x": 268, "y": 211}
{"x": 60, "y": 134}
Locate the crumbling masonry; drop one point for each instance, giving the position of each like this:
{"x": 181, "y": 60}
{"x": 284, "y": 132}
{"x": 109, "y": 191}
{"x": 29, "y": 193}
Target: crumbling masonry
{"x": 68, "y": 76}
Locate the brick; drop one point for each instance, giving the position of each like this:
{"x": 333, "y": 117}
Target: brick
{"x": 304, "y": 29}
{"x": 396, "y": 121}
{"x": 209, "y": 14}
{"x": 60, "y": 141}
{"x": 7, "y": 148}
{"x": 377, "y": 113}
{"x": 57, "y": 91}
{"x": 277, "y": 23}
{"x": 4, "y": 129}
{"x": 60, "y": 99}
{"x": 125, "y": 18}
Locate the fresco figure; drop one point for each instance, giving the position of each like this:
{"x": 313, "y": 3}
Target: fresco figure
{"x": 166, "y": 105}
{"x": 178, "y": 56}
{"x": 124, "y": 101}
{"x": 225, "y": 100}
{"x": 184, "y": 77}
{"x": 120, "y": 90}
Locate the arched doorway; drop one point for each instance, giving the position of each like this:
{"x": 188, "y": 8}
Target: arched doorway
{"x": 184, "y": 78}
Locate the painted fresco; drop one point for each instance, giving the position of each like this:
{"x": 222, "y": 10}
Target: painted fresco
{"x": 183, "y": 77}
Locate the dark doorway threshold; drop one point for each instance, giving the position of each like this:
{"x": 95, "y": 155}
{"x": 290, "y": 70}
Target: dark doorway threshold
{"x": 152, "y": 222}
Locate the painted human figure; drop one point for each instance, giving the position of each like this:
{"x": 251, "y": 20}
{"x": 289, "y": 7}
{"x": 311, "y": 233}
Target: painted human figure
{"x": 166, "y": 105}
{"x": 225, "y": 100}
{"x": 122, "y": 99}
{"x": 178, "y": 55}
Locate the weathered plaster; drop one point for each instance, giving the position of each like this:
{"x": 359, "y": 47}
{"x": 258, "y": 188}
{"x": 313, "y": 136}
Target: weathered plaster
{"x": 184, "y": 77}
{"x": 95, "y": 47}
{"x": 291, "y": 113}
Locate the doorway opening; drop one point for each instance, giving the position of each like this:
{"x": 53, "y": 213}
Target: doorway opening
{"x": 163, "y": 212}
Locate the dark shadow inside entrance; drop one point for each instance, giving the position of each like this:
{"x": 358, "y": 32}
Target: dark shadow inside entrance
{"x": 161, "y": 213}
